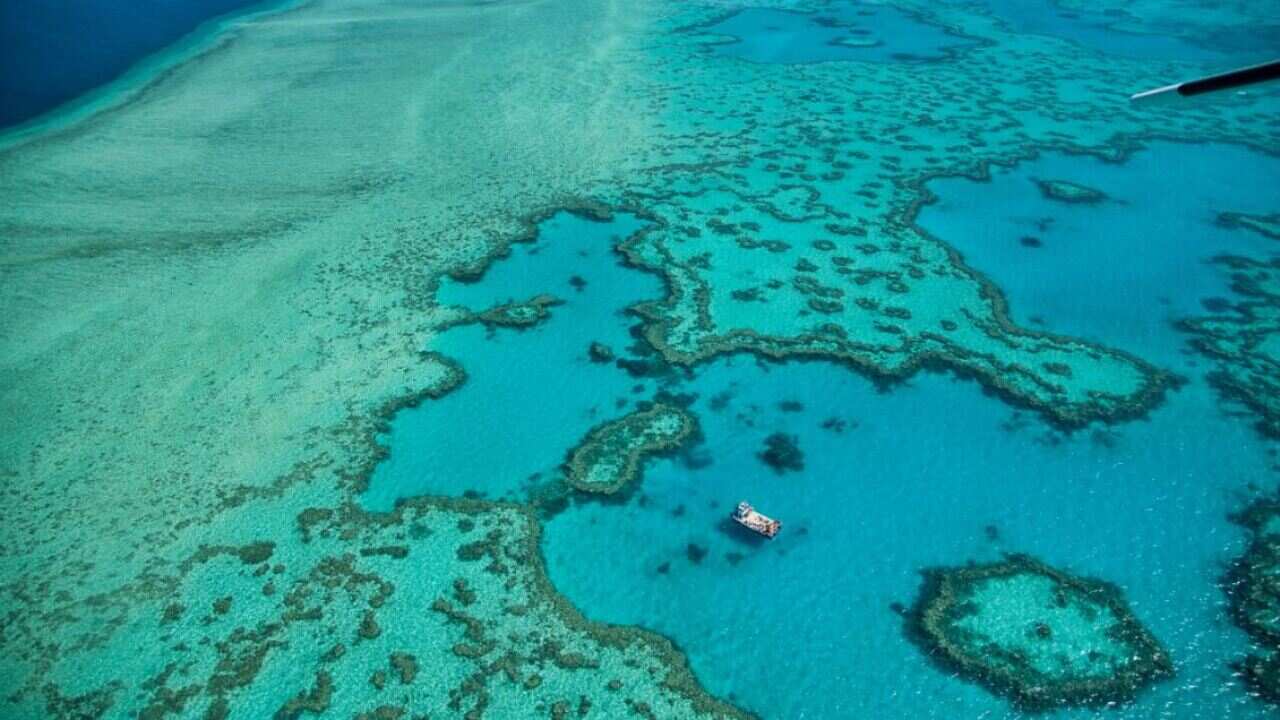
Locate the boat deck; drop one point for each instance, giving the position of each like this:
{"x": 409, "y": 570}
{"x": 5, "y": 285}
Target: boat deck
{"x": 750, "y": 518}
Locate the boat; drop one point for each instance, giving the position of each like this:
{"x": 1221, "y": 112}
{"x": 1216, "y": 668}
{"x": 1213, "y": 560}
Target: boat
{"x": 750, "y": 518}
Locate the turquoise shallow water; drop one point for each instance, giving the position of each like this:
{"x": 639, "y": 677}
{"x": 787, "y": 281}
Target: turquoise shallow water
{"x": 875, "y": 33}
{"x": 1095, "y": 29}
{"x": 530, "y": 394}
{"x": 225, "y": 267}
{"x": 1141, "y": 251}
{"x": 1143, "y": 507}
{"x": 802, "y": 626}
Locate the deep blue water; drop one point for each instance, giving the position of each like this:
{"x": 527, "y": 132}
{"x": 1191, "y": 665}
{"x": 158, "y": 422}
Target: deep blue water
{"x": 888, "y": 485}
{"x": 52, "y": 51}
{"x": 878, "y": 33}
{"x": 1096, "y": 31}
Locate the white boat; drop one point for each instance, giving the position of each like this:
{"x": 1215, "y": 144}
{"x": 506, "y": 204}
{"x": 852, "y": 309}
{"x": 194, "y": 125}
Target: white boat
{"x": 748, "y": 517}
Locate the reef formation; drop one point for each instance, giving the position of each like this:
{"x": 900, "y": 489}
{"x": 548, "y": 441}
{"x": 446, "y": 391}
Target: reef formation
{"x": 199, "y": 549}
{"x": 1181, "y": 19}
{"x": 1265, "y": 225}
{"x": 195, "y": 429}
{"x": 1244, "y": 343}
{"x": 782, "y": 453}
{"x": 1069, "y": 192}
{"x": 1252, "y": 585}
{"x": 1036, "y": 634}
{"x": 612, "y": 455}
{"x": 331, "y": 633}
{"x": 796, "y": 238}
{"x": 519, "y": 315}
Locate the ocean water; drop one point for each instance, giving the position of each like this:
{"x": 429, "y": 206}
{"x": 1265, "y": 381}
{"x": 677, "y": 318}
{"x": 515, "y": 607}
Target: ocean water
{"x": 51, "y": 53}
{"x": 1141, "y": 504}
{"x": 855, "y": 31}
{"x": 544, "y": 407}
{"x": 916, "y": 269}
{"x": 888, "y": 487}
{"x": 1100, "y": 29}
{"x": 1143, "y": 250}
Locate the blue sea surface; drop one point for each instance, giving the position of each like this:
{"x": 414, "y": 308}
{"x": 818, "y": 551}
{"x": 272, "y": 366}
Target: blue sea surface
{"x": 53, "y": 52}
{"x": 878, "y": 33}
{"x": 889, "y": 484}
{"x": 893, "y": 477}
{"x": 930, "y": 472}
{"x": 1120, "y": 271}
{"x": 1096, "y": 31}
{"x": 530, "y": 394}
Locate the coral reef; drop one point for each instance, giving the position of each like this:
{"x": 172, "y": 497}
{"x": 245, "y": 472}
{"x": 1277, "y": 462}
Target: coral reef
{"x": 279, "y": 307}
{"x": 1252, "y": 585}
{"x": 489, "y": 637}
{"x": 1198, "y": 24}
{"x": 782, "y": 453}
{"x": 519, "y": 314}
{"x": 612, "y": 455}
{"x": 290, "y": 326}
{"x": 600, "y": 353}
{"x": 1069, "y": 192}
{"x": 1245, "y": 344}
{"x": 1265, "y": 225}
{"x": 1036, "y": 634}
{"x": 1261, "y": 674}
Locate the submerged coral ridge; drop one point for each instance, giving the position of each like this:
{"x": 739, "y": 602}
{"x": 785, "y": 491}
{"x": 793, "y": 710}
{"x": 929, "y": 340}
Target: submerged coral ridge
{"x": 1036, "y": 634}
{"x": 1252, "y": 586}
{"x": 797, "y": 237}
{"x": 1245, "y": 344}
{"x": 1069, "y": 192}
{"x": 612, "y": 455}
{"x": 878, "y": 315}
{"x": 519, "y": 314}
{"x": 439, "y": 606}
{"x": 289, "y": 328}
{"x": 219, "y": 284}
{"x": 1265, "y": 225}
